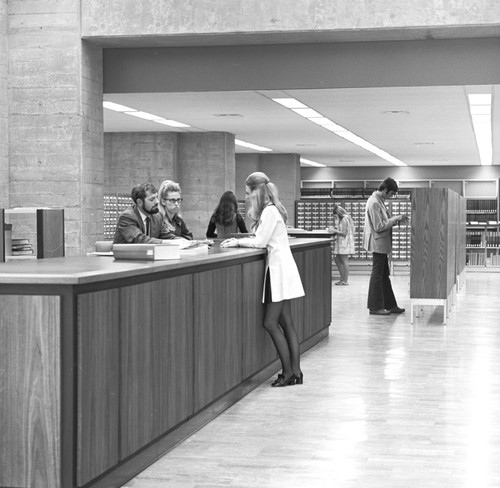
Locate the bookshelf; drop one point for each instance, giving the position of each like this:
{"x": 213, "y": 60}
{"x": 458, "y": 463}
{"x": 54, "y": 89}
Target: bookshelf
{"x": 41, "y": 226}
{"x": 437, "y": 257}
{"x": 481, "y": 209}
{"x": 482, "y": 215}
{"x": 483, "y": 245}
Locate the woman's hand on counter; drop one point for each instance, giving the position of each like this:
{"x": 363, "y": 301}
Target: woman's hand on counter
{"x": 233, "y": 242}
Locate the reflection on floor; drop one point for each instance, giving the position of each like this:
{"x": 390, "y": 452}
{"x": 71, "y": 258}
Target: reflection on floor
{"x": 384, "y": 404}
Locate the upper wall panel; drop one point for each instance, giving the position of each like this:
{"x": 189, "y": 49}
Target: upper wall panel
{"x": 136, "y": 23}
{"x": 303, "y": 66}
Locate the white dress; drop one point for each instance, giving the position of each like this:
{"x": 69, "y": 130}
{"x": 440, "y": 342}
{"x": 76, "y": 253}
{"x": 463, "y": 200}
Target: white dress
{"x": 272, "y": 234}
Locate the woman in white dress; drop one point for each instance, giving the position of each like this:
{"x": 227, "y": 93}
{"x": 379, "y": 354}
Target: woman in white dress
{"x": 282, "y": 280}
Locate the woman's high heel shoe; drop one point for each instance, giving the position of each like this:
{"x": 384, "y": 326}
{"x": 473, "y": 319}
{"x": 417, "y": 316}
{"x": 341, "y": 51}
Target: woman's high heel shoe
{"x": 277, "y": 380}
{"x": 285, "y": 382}
{"x": 299, "y": 380}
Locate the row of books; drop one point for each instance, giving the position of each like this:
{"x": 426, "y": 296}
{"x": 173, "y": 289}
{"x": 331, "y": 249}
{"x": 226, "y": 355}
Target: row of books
{"x": 21, "y": 247}
{"x": 474, "y": 238}
{"x": 486, "y": 206}
{"x": 476, "y": 259}
{"x": 493, "y": 238}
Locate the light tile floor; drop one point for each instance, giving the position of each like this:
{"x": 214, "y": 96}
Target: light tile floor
{"x": 385, "y": 403}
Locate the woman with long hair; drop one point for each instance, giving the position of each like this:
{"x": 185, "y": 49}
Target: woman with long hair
{"x": 282, "y": 279}
{"x": 226, "y": 220}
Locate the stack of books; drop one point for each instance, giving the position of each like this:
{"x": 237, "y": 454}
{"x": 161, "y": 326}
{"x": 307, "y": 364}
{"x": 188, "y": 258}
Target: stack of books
{"x": 22, "y": 247}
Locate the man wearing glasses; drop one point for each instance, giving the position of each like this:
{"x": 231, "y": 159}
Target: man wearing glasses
{"x": 142, "y": 223}
{"x": 377, "y": 238}
{"x": 170, "y": 200}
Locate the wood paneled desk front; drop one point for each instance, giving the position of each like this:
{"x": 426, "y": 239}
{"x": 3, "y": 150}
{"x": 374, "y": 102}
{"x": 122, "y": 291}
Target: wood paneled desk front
{"x": 107, "y": 364}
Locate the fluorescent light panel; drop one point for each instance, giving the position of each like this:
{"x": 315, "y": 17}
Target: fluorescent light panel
{"x": 290, "y": 103}
{"x": 312, "y": 163}
{"x": 171, "y": 123}
{"x": 251, "y": 146}
{"x": 314, "y": 116}
{"x": 116, "y": 107}
{"x": 480, "y": 111}
{"x": 142, "y": 115}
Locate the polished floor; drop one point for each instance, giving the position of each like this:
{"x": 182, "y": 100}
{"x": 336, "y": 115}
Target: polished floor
{"x": 385, "y": 403}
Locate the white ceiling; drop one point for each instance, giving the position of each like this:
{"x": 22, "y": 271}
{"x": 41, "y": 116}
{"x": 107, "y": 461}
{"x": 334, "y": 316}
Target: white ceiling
{"x": 422, "y": 126}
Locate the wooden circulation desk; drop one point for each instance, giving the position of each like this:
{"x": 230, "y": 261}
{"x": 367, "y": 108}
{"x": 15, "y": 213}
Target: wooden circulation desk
{"x": 106, "y": 364}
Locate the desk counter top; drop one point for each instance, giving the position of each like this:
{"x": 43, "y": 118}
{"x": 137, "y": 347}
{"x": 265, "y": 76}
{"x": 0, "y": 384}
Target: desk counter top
{"x": 79, "y": 270}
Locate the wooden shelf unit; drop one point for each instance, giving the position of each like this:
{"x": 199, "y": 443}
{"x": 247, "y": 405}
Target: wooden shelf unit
{"x": 48, "y": 226}
{"x": 438, "y": 247}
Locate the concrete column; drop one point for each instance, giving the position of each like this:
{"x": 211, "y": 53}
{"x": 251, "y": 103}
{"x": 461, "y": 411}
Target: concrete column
{"x": 246, "y": 163}
{"x": 92, "y": 162}
{"x": 4, "y": 132}
{"x": 55, "y": 117}
{"x": 282, "y": 169}
{"x": 137, "y": 157}
{"x": 206, "y": 169}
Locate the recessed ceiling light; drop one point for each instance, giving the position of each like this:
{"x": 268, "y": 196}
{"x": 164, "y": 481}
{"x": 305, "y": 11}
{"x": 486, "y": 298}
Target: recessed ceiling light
{"x": 228, "y": 115}
{"x": 307, "y": 112}
{"x": 170, "y": 123}
{"x": 143, "y": 115}
{"x": 312, "y": 163}
{"x": 423, "y": 143}
{"x": 480, "y": 111}
{"x": 289, "y": 102}
{"x": 480, "y": 99}
{"x": 340, "y": 131}
{"x": 116, "y": 107}
{"x": 251, "y": 146}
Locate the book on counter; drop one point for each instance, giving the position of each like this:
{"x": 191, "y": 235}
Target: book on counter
{"x": 146, "y": 252}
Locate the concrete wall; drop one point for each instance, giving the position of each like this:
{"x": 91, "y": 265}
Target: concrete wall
{"x": 4, "y": 132}
{"x": 55, "y": 116}
{"x": 92, "y": 161}
{"x": 282, "y": 169}
{"x": 206, "y": 163}
{"x": 137, "y": 157}
{"x": 50, "y": 82}
{"x": 170, "y": 17}
{"x": 202, "y": 163}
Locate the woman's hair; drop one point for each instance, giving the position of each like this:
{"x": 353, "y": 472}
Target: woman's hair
{"x": 166, "y": 187}
{"x": 341, "y": 212}
{"x": 226, "y": 209}
{"x": 262, "y": 192}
